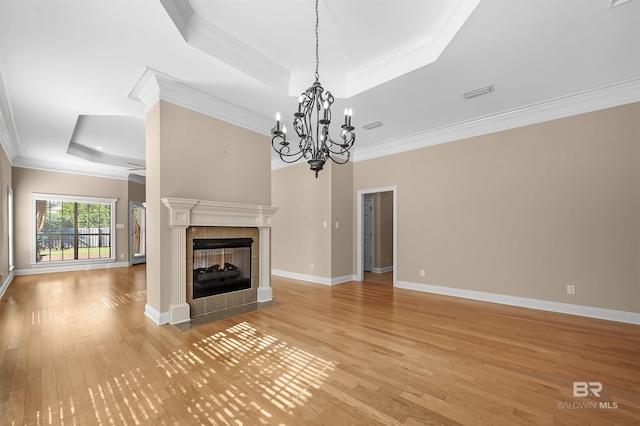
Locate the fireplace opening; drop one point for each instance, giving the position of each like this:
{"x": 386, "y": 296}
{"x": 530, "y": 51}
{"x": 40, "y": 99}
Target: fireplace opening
{"x": 221, "y": 265}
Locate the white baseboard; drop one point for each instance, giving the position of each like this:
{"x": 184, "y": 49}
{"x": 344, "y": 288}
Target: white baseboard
{"x": 158, "y": 317}
{"x": 5, "y": 285}
{"x": 71, "y": 267}
{"x": 383, "y": 270}
{"x": 544, "y": 305}
{"x": 312, "y": 278}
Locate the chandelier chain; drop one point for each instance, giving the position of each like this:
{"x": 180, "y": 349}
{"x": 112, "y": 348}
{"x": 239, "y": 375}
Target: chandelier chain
{"x": 317, "y": 56}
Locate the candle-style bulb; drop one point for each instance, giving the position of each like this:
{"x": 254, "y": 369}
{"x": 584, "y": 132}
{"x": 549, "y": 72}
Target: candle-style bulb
{"x": 284, "y": 129}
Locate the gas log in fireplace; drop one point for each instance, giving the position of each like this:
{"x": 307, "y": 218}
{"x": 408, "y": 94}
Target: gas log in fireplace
{"x": 221, "y": 265}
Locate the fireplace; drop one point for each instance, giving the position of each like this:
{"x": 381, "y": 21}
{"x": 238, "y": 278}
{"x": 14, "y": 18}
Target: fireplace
{"x": 191, "y": 219}
{"x": 221, "y": 265}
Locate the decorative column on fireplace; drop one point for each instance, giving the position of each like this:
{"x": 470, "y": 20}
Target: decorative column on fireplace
{"x": 189, "y": 212}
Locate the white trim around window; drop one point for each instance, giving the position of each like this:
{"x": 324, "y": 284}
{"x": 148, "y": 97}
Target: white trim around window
{"x": 72, "y": 199}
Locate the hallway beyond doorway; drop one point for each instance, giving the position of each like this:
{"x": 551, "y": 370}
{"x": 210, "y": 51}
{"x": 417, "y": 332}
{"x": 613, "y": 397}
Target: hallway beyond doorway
{"x": 385, "y": 278}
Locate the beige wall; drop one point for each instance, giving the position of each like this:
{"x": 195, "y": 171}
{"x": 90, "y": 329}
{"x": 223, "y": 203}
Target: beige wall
{"x": 524, "y": 212}
{"x": 208, "y": 159}
{"x": 136, "y": 192}
{"x": 301, "y": 243}
{"x": 299, "y": 239}
{"x": 342, "y": 212}
{"x": 5, "y": 181}
{"x": 192, "y": 155}
{"x": 28, "y": 181}
{"x": 157, "y": 295}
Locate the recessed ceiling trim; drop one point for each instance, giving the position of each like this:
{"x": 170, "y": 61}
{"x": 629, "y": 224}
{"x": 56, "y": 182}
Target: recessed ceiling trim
{"x": 614, "y": 3}
{"x": 217, "y": 43}
{"x": 415, "y": 54}
{"x": 180, "y": 12}
{"x": 154, "y": 86}
{"x": 221, "y": 45}
{"x": 8, "y": 134}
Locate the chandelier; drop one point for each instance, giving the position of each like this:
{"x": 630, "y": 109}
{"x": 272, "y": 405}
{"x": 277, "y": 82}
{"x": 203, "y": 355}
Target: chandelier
{"x": 311, "y": 123}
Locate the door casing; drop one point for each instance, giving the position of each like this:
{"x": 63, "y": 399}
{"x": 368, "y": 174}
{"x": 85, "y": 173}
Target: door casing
{"x": 360, "y": 230}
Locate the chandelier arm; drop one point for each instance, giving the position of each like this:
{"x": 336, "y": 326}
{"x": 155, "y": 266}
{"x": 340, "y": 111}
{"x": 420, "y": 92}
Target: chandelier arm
{"x": 341, "y": 161}
{"x": 349, "y": 139}
{"x": 284, "y": 151}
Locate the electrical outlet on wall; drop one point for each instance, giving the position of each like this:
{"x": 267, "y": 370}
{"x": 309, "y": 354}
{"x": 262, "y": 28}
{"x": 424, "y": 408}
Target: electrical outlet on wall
{"x": 571, "y": 289}
{"x": 422, "y": 272}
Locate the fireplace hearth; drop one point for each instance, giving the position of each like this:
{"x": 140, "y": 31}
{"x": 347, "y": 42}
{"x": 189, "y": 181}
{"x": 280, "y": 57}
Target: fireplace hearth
{"x": 221, "y": 265}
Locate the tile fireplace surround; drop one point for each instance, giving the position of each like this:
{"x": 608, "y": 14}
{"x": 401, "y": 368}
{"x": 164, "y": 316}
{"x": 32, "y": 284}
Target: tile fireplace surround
{"x": 220, "y": 219}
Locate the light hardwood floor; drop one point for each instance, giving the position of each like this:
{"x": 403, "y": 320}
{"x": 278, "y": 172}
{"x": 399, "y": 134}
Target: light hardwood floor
{"x": 76, "y": 348}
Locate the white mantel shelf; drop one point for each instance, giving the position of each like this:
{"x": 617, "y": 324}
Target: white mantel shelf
{"x": 190, "y": 212}
{"x": 185, "y": 212}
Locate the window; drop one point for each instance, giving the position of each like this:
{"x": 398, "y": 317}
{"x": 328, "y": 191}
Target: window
{"x": 10, "y": 225}
{"x": 73, "y": 228}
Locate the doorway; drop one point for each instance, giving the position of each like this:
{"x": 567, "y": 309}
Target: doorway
{"x": 138, "y": 233}
{"x": 363, "y": 240}
{"x": 367, "y": 235}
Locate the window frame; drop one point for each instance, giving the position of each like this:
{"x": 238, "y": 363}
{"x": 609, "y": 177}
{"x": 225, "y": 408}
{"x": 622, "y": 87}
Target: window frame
{"x": 10, "y": 221}
{"x": 72, "y": 199}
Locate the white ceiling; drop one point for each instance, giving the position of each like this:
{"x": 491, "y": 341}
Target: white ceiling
{"x": 71, "y": 69}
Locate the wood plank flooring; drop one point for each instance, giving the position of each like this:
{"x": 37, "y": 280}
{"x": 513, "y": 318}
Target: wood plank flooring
{"x": 76, "y": 349}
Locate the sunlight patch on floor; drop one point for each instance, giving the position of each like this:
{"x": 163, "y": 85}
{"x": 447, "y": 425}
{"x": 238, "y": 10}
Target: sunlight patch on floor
{"x": 115, "y": 301}
{"x": 280, "y": 376}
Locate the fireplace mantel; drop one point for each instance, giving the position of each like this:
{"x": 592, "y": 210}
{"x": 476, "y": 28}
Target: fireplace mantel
{"x": 185, "y": 212}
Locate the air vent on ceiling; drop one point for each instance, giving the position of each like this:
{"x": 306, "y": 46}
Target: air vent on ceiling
{"x": 479, "y": 91}
{"x": 372, "y": 125}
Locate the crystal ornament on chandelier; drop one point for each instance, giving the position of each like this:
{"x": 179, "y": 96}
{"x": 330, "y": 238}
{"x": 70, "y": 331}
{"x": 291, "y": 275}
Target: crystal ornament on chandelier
{"x": 311, "y": 123}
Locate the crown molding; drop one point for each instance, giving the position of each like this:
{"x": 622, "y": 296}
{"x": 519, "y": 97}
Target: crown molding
{"x": 48, "y": 166}
{"x": 154, "y": 86}
{"x": 217, "y": 43}
{"x": 8, "y": 134}
{"x": 424, "y": 50}
{"x": 580, "y": 103}
{"x": 133, "y": 177}
{"x": 180, "y": 12}
{"x": 413, "y": 55}
{"x": 86, "y": 153}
